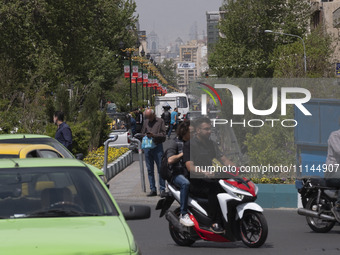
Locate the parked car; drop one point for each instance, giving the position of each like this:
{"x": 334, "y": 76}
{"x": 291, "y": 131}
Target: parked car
{"x": 28, "y": 151}
{"x": 44, "y": 139}
{"x": 35, "y": 139}
{"x": 120, "y": 125}
{"x": 58, "y": 206}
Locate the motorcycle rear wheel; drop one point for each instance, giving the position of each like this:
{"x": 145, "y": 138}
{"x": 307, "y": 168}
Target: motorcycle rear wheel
{"x": 319, "y": 225}
{"x": 254, "y": 229}
{"x": 179, "y": 238}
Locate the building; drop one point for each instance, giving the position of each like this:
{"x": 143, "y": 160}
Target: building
{"x": 213, "y": 19}
{"x": 153, "y": 46}
{"x": 191, "y": 63}
{"x": 327, "y": 14}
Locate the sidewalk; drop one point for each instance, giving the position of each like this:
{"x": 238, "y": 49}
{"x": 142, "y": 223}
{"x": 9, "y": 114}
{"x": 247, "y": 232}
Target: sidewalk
{"x": 127, "y": 187}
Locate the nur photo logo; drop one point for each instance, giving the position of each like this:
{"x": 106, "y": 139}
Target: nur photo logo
{"x": 289, "y": 96}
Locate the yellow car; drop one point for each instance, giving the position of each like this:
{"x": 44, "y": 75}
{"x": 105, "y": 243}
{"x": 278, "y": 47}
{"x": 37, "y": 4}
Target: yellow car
{"x": 28, "y": 151}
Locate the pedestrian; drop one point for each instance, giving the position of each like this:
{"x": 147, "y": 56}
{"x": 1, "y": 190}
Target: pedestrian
{"x": 333, "y": 160}
{"x": 173, "y": 121}
{"x": 180, "y": 174}
{"x": 166, "y": 116}
{"x": 64, "y": 133}
{"x": 200, "y": 152}
{"x": 154, "y": 128}
{"x": 133, "y": 123}
{"x": 139, "y": 119}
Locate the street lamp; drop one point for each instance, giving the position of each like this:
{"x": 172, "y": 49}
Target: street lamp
{"x": 128, "y": 52}
{"x": 146, "y": 88}
{"x": 142, "y": 53}
{"x": 303, "y": 43}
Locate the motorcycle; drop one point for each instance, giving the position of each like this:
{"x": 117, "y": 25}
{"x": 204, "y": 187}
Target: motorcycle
{"x": 242, "y": 218}
{"x": 318, "y": 198}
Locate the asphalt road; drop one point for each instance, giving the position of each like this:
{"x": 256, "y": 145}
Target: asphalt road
{"x": 288, "y": 231}
{"x": 288, "y": 234}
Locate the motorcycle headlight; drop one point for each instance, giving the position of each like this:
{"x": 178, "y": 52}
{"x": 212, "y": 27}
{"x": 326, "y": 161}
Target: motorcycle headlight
{"x": 240, "y": 196}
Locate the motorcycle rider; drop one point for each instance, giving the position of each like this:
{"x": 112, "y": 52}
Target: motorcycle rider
{"x": 333, "y": 176}
{"x": 199, "y": 152}
{"x": 180, "y": 173}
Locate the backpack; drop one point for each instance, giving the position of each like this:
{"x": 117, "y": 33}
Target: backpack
{"x": 166, "y": 170}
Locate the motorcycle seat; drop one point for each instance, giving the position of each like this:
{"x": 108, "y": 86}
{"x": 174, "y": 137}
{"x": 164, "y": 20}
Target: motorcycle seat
{"x": 318, "y": 182}
{"x": 323, "y": 182}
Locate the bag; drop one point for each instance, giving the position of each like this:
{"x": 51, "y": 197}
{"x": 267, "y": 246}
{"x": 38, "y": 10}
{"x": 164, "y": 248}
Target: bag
{"x": 147, "y": 143}
{"x": 166, "y": 170}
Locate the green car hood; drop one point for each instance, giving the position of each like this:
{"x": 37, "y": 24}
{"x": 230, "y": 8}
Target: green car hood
{"x": 66, "y": 236}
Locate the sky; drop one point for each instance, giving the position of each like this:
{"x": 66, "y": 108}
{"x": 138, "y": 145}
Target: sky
{"x": 174, "y": 18}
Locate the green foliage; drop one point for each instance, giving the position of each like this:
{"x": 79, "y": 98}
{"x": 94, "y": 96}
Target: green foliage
{"x": 288, "y": 58}
{"x": 245, "y": 49}
{"x": 266, "y": 180}
{"x": 81, "y": 137}
{"x": 96, "y": 157}
{"x": 271, "y": 145}
{"x": 168, "y": 69}
{"x": 61, "y": 55}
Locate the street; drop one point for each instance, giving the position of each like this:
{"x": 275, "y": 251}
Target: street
{"x": 288, "y": 232}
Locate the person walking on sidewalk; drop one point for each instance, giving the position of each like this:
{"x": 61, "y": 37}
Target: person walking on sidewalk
{"x": 63, "y": 134}
{"x": 174, "y": 121}
{"x": 154, "y": 128}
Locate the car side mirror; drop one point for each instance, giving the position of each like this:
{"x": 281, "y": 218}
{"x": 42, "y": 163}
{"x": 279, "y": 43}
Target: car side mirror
{"x": 138, "y": 212}
{"x": 80, "y": 156}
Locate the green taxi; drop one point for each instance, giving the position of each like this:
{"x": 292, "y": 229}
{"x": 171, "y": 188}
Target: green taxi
{"x": 59, "y": 206}
{"x": 44, "y": 139}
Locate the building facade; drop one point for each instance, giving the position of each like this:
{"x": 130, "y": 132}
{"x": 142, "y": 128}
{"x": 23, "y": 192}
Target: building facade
{"x": 192, "y": 63}
{"x": 326, "y": 13}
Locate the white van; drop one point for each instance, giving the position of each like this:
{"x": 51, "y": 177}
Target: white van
{"x": 174, "y": 99}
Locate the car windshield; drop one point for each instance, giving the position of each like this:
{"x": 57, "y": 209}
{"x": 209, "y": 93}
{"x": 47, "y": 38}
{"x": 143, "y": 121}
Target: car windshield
{"x": 52, "y": 192}
{"x": 119, "y": 122}
{"x": 42, "y": 140}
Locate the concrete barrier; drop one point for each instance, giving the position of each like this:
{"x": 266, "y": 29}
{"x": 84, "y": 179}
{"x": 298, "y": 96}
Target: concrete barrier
{"x": 277, "y": 196}
{"x": 119, "y": 165}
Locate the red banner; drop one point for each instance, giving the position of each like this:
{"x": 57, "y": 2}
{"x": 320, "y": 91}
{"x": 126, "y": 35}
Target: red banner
{"x": 140, "y": 76}
{"x": 134, "y": 69}
{"x": 126, "y": 69}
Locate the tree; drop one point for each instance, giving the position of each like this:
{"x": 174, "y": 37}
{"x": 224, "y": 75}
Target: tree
{"x": 168, "y": 70}
{"x": 288, "y": 58}
{"x": 245, "y": 50}
{"x": 51, "y": 50}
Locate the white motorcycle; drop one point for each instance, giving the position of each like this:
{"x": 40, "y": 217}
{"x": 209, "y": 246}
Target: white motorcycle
{"x": 242, "y": 218}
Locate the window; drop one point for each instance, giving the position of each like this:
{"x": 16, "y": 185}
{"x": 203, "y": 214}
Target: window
{"x": 24, "y": 191}
{"x": 182, "y": 102}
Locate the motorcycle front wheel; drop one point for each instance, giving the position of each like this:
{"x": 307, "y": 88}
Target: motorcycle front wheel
{"x": 316, "y": 224}
{"x": 254, "y": 229}
{"x": 179, "y": 238}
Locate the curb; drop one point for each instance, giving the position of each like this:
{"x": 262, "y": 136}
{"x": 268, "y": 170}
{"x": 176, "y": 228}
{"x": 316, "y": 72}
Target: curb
{"x": 119, "y": 165}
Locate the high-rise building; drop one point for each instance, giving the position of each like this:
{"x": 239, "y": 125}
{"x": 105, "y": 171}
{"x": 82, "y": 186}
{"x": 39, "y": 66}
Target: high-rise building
{"x": 190, "y": 63}
{"x": 153, "y": 46}
{"x": 213, "y": 18}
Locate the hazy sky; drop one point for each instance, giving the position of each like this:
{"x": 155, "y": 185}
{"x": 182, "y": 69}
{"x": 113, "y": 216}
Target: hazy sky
{"x": 174, "y": 18}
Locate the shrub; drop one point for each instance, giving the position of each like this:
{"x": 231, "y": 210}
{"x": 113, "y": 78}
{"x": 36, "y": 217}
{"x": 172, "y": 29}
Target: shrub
{"x": 96, "y": 157}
